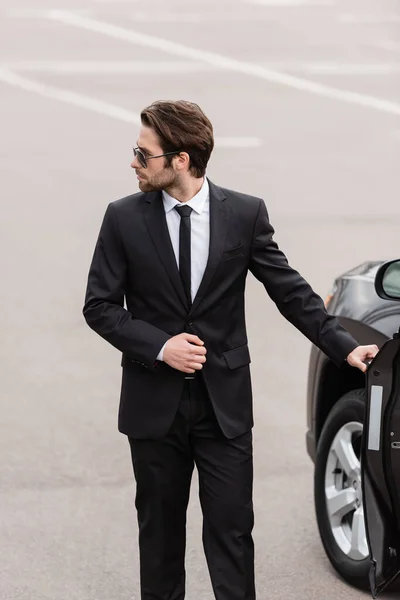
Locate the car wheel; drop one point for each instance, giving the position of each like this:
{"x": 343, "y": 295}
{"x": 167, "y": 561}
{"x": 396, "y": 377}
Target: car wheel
{"x": 338, "y": 492}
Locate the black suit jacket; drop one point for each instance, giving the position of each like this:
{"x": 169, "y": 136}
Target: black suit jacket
{"x": 134, "y": 261}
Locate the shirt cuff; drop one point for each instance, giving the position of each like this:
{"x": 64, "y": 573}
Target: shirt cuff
{"x": 161, "y": 353}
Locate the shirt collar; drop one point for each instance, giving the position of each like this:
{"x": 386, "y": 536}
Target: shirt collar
{"x": 197, "y": 202}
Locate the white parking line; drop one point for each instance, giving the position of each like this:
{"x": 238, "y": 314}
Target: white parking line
{"x": 219, "y": 60}
{"x": 68, "y": 97}
{"x": 105, "y": 108}
{"x": 109, "y": 67}
{"x": 188, "y": 67}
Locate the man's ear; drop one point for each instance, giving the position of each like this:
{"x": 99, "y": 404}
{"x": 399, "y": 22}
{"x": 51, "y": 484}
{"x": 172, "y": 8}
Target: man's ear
{"x": 182, "y": 161}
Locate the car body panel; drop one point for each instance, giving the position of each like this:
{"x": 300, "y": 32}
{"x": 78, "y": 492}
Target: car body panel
{"x": 370, "y": 319}
{"x": 341, "y": 380}
{"x": 356, "y": 303}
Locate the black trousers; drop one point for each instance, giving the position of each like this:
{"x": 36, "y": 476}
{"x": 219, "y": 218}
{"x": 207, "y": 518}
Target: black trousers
{"x": 163, "y": 471}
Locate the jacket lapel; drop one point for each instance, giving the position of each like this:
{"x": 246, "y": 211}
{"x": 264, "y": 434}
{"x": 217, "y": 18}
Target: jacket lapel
{"x": 219, "y": 220}
{"x": 157, "y": 226}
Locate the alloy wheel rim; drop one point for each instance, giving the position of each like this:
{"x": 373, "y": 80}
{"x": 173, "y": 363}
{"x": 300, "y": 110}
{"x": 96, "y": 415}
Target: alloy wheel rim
{"x": 343, "y": 492}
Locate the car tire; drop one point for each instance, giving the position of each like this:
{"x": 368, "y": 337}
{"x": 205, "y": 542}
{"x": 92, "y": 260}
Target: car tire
{"x": 347, "y": 415}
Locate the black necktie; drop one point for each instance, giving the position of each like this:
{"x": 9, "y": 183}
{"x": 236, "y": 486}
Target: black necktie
{"x": 184, "y": 250}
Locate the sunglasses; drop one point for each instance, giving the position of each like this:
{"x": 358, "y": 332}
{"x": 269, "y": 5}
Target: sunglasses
{"x": 143, "y": 159}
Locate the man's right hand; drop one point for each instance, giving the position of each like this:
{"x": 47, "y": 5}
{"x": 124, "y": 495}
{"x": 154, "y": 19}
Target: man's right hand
{"x": 185, "y": 352}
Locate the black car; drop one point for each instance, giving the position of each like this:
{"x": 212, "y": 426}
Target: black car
{"x": 353, "y": 432}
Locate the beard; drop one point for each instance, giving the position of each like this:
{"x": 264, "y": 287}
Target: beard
{"x": 160, "y": 181}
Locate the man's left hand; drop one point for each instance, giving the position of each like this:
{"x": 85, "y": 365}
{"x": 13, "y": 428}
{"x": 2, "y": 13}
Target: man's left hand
{"x": 361, "y": 354}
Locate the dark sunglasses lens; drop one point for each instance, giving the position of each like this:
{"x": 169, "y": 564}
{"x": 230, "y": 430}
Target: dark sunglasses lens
{"x": 140, "y": 157}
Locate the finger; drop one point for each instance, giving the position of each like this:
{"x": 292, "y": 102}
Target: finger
{"x": 197, "y": 350}
{"x": 198, "y": 358}
{"x": 195, "y": 365}
{"x": 194, "y": 339}
{"x": 359, "y": 364}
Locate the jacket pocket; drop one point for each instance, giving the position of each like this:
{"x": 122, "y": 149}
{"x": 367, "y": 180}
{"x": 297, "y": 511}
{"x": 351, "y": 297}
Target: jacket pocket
{"x": 238, "y": 357}
{"x": 232, "y": 252}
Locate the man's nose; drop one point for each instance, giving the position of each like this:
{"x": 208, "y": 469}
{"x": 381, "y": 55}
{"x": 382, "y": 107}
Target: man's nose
{"x": 135, "y": 163}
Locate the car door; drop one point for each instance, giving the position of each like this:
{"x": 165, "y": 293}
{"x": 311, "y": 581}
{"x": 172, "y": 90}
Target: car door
{"x": 380, "y": 458}
{"x": 381, "y": 466}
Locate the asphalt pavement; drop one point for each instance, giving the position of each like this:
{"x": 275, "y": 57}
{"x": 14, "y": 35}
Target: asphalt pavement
{"x": 305, "y": 99}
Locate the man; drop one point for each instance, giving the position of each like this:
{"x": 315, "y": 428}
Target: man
{"x": 178, "y": 253}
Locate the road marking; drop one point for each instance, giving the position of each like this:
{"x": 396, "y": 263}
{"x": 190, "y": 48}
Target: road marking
{"x": 219, "y": 60}
{"x": 105, "y": 108}
{"x": 110, "y": 67}
{"x": 68, "y": 97}
{"x": 187, "y": 67}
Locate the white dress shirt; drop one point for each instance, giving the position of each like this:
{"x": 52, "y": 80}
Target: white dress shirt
{"x": 200, "y": 234}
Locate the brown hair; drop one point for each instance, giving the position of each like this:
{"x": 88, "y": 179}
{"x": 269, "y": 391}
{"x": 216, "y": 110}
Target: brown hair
{"x": 182, "y": 125}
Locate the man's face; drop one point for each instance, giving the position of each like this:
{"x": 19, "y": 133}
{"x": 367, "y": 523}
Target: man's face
{"x": 157, "y": 176}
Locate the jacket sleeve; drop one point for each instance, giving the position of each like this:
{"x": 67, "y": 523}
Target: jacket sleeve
{"x": 104, "y": 302}
{"x": 293, "y": 296}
